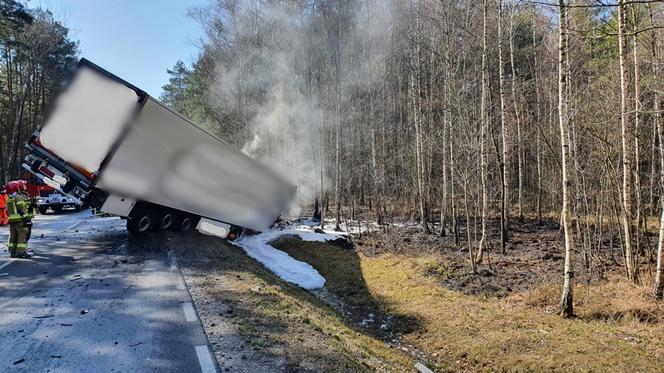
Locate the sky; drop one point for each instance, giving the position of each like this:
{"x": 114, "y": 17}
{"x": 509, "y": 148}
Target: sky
{"x": 136, "y": 40}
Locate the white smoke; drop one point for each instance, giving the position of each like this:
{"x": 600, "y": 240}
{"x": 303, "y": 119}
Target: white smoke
{"x": 268, "y": 50}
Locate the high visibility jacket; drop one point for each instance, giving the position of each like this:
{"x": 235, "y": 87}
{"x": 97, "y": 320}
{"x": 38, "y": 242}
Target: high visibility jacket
{"x": 19, "y": 209}
{"x": 3, "y": 209}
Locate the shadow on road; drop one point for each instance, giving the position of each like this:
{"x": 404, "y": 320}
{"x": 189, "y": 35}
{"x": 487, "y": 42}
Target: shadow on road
{"x": 100, "y": 303}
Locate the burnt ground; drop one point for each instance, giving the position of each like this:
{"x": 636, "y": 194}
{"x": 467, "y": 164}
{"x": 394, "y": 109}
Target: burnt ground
{"x": 533, "y": 256}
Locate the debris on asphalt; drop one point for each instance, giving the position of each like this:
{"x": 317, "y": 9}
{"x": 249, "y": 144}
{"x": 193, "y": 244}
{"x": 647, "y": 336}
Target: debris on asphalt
{"x": 42, "y": 317}
{"x": 19, "y": 361}
{"x": 84, "y": 312}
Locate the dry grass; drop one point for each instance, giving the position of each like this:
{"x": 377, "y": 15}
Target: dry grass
{"x": 618, "y": 328}
{"x": 280, "y": 319}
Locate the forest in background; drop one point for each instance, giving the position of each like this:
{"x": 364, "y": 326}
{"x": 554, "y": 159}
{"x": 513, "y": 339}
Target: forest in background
{"x": 460, "y": 115}
{"x": 37, "y": 56}
{"x": 448, "y": 113}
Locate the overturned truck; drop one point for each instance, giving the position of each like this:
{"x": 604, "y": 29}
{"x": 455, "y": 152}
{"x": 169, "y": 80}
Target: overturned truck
{"x": 110, "y": 145}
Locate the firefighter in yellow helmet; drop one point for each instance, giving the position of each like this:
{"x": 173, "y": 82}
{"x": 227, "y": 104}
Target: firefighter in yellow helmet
{"x": 20, "y": 212}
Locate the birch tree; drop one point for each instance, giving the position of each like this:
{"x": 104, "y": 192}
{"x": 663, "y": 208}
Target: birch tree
{"x": 503, "y": 130}
{"x": 517, "y": 117}
{"x": 659, "y": 270}
{"x": 627, "y": 147}
{"x": 483, "y": 134}
{"x": 567, "y": 301}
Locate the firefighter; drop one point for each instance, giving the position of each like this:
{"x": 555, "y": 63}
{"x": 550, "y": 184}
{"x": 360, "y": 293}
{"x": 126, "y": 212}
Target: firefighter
{"x": 3, "y": 207}
{"x": 20, "y": 210}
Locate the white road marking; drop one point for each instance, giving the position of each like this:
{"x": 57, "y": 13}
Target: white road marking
{"x": 205, "y": 360}
{"x": 73, "y": 225}
{"x": 179, "y": 283}
{"x": 189, "y": 312}
{"x": 3, "y": 265}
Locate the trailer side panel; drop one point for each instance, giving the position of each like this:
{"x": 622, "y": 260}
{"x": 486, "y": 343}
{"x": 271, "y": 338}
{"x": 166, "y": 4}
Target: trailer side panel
{"x": 166, "y": 160}
{"x": 87, "y": 119}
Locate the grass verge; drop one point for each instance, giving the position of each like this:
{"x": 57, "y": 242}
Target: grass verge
{"x": 618, "y": 328}
{"x": 279, "y": 319}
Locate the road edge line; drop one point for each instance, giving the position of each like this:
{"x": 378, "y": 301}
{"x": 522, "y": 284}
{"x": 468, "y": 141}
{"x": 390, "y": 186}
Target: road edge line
{"x": 205, "y": 359}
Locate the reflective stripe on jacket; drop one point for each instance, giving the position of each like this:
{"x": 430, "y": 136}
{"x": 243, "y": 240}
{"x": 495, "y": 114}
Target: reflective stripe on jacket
{"x": 19, "y": 209}
{"x": 12, "y": 211}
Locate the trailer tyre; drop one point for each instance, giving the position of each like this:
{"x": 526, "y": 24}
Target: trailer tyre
{"x": 165, "y": 222}
{"x": 184, "y": 223}
{"x": 43, "y": 210}
{"x": 141, "y": 223}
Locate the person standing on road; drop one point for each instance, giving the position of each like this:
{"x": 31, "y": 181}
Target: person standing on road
{"x": 19, "y": 209}
{"x": 3, "y": 207}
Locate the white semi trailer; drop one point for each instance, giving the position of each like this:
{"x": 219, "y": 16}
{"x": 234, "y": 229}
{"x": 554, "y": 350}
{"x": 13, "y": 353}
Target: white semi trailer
{"x": 109, "y": 144}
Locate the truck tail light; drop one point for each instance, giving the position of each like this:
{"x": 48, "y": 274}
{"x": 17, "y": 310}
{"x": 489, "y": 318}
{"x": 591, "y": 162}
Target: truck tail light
{"x": 46, "y": 171}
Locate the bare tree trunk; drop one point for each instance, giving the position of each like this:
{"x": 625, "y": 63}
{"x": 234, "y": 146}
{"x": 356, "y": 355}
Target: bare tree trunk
{"x": 566, "y": 304}
{"x": 337, "y": 166}
{"x": 515, "y": 102}
{"x": 539, "y": 134}
{"x": 653, "y": 163}
{"x": 659, "y": 272}
{"x": 483, "y": 131}
{"x": 447, "y": 139}
{"x": 503, "y": 127}
{"x": 471, "y": 256}
{"x": 444, "y": 202}
{"x": 455, "y": 223}
{"x": 627, "y": 147}
{"x": 416, "y": 96}
{"x": 637, "y": 155}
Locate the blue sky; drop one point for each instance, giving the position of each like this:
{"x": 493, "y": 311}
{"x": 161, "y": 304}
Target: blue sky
{"x": 134, "y": 39}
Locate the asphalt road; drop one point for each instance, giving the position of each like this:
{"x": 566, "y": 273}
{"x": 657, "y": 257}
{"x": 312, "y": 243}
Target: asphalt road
{"x": 94, "y": 299}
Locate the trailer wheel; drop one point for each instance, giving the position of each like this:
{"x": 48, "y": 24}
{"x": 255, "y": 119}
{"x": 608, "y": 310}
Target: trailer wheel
{"x": 141, "y": 223}
{"x": 165, "y": 222}
{"x": 43, "y": 210}
{"x": 184, "y": 223}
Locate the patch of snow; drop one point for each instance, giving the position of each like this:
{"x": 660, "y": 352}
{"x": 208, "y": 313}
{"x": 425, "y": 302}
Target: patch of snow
{"x": 369, "y": 320}
{"x": 283, "y": 265}
{"x": 307, "y": 234}
{"x": 280, "y": 263}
